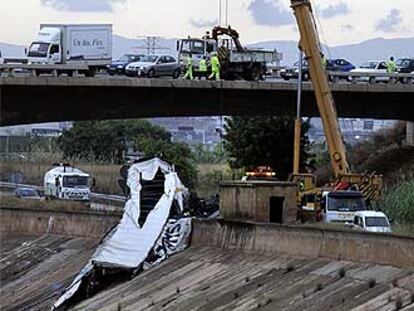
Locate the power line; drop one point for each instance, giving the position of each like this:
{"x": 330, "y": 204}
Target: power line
{"x": 151, "y": 45}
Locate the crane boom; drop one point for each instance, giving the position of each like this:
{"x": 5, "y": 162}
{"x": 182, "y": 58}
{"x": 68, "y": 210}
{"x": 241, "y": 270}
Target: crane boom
{"x": 218, "y": 31}
{"x": 310, "y": 45}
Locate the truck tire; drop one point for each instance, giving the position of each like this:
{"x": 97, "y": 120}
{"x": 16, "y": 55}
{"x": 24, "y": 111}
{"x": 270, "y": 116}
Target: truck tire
{"x": 90, "y": 73}
{"x": 255, "y": 73}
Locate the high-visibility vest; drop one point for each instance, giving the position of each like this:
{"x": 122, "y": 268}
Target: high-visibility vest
{"x": 391, "y": 66}
{"x": 189, "y": 62}
{"x": 215, "y": 63}
{"x": 324, "y": 62}
{"x": 202, "y": 66}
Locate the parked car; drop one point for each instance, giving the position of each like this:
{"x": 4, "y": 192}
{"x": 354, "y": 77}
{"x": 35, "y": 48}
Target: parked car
{"x": 337, "y": 64}
{"x": 371, "y": 221}
{"x": 373, "y": 66}
{"x": 405, "y": 65}
{"x": 118, "y": 66}
{"x": 26, "y": 193}
{"x": 154, "y": 65}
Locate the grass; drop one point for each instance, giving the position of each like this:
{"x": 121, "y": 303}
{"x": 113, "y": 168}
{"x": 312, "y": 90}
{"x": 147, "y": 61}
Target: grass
{"x": 54, "y": 205}
{"x": 106, "y": 175}
{"x": 209, "y": 177}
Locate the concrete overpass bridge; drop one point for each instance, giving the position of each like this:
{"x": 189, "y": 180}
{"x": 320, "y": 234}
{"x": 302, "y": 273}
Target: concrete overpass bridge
{"x": 45, "y": 99}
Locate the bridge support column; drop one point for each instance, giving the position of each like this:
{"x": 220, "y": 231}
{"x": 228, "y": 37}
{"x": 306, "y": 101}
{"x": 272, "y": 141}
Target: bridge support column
{"x": 410, "y": 133}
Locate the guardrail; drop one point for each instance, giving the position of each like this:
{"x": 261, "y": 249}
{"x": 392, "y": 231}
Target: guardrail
{"x": 35, "y": 69}
{"x": 95, "y": 197}
{"x": 354, "y": 77}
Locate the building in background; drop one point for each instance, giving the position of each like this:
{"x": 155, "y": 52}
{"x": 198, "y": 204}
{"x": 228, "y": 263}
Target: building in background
{"x": 37, "y": 129}
{"x": 193, "y": 130}
{"x": 353, "y": 129}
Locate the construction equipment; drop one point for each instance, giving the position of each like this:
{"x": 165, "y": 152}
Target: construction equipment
{"x": 236, "y": 61}
{"x": 368, "y": 185}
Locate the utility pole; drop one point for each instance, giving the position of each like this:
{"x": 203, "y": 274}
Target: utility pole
{"x": 151, "y": 45}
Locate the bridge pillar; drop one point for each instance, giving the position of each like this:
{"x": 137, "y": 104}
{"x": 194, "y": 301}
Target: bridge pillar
{"x": 410, "y": 133}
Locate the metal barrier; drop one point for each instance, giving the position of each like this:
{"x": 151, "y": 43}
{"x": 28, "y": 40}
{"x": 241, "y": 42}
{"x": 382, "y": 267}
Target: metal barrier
{"x": 34, "y": 69}
{"x": 354, "y": 77}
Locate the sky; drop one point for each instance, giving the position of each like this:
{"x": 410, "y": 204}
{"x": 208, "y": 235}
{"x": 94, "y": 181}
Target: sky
{"x": 341, "y": 21}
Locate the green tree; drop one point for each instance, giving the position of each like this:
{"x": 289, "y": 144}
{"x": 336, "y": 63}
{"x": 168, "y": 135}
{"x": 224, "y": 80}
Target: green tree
{"x": 178, "y": 154}
{"x": 203, "y": 154}
{"x": 254, "y": 141}
{"x": 106, "y": 140}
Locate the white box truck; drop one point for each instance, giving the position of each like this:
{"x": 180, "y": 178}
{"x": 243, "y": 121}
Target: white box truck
{"x": 64, "y": 182}
{"x": 83, "y": 47}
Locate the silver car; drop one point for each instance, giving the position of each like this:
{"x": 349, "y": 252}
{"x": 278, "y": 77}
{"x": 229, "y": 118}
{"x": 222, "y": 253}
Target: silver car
{"x": 154, "y": 65}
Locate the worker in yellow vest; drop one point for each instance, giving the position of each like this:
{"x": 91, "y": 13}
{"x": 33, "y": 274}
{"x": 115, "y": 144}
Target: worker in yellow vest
{"x": 189, "y": 72}
{"x": 202, "y": 68}
{"x": 391, "y": 68}
{"x": 391, "y": 65}
{"x": 215, "y": 67}
{"x": 324, "y": 61}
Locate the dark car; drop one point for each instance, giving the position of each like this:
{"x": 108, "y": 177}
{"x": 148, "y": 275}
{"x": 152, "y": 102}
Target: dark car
{"x": 26, "y": 193}
{"x": 118, "y": 66}
{"x": 337, "y": 64}
{"x": 340, "y": 64}
{"x": 405, "y": 65}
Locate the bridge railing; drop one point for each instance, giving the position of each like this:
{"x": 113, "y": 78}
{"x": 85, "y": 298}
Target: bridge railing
{"x": 35, "y": 69}
{"x": 371, "y": 77}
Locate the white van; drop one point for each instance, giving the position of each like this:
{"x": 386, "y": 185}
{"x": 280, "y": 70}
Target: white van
{"x": 371, "y": 221}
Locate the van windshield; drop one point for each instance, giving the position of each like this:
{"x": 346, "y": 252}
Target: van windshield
{"x": 38, "y": 49}
{"x": 346, "y": 204}
{"x": 376, "y": 222}
{"x": 75, "y": 181}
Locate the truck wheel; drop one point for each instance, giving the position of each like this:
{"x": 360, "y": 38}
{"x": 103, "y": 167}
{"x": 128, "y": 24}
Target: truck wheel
{"x": 151, "y": 73}
{"x": 90, "y": 73}
{"x": 255, "y": 73}
{"x": 176, "y": 74}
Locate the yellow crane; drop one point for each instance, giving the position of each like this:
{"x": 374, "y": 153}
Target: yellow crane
{"x": 368, "y": 185}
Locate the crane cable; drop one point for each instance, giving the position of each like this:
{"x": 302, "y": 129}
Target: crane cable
{"x": 318, "y": 25}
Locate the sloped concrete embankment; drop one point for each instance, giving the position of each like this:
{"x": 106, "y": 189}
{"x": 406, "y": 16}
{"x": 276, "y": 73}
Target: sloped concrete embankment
{"x": 76, "y": 223}
{"x": 310, "y": 242}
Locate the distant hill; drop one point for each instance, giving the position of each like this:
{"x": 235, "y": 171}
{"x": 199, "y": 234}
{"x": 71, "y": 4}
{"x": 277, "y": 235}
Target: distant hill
{"x": 11, "y": 50}
{"x": 378, "y": 48}
{"x": 373, "y": 49}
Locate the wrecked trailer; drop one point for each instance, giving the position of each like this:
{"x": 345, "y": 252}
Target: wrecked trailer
{"x": 151, "y": 229}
